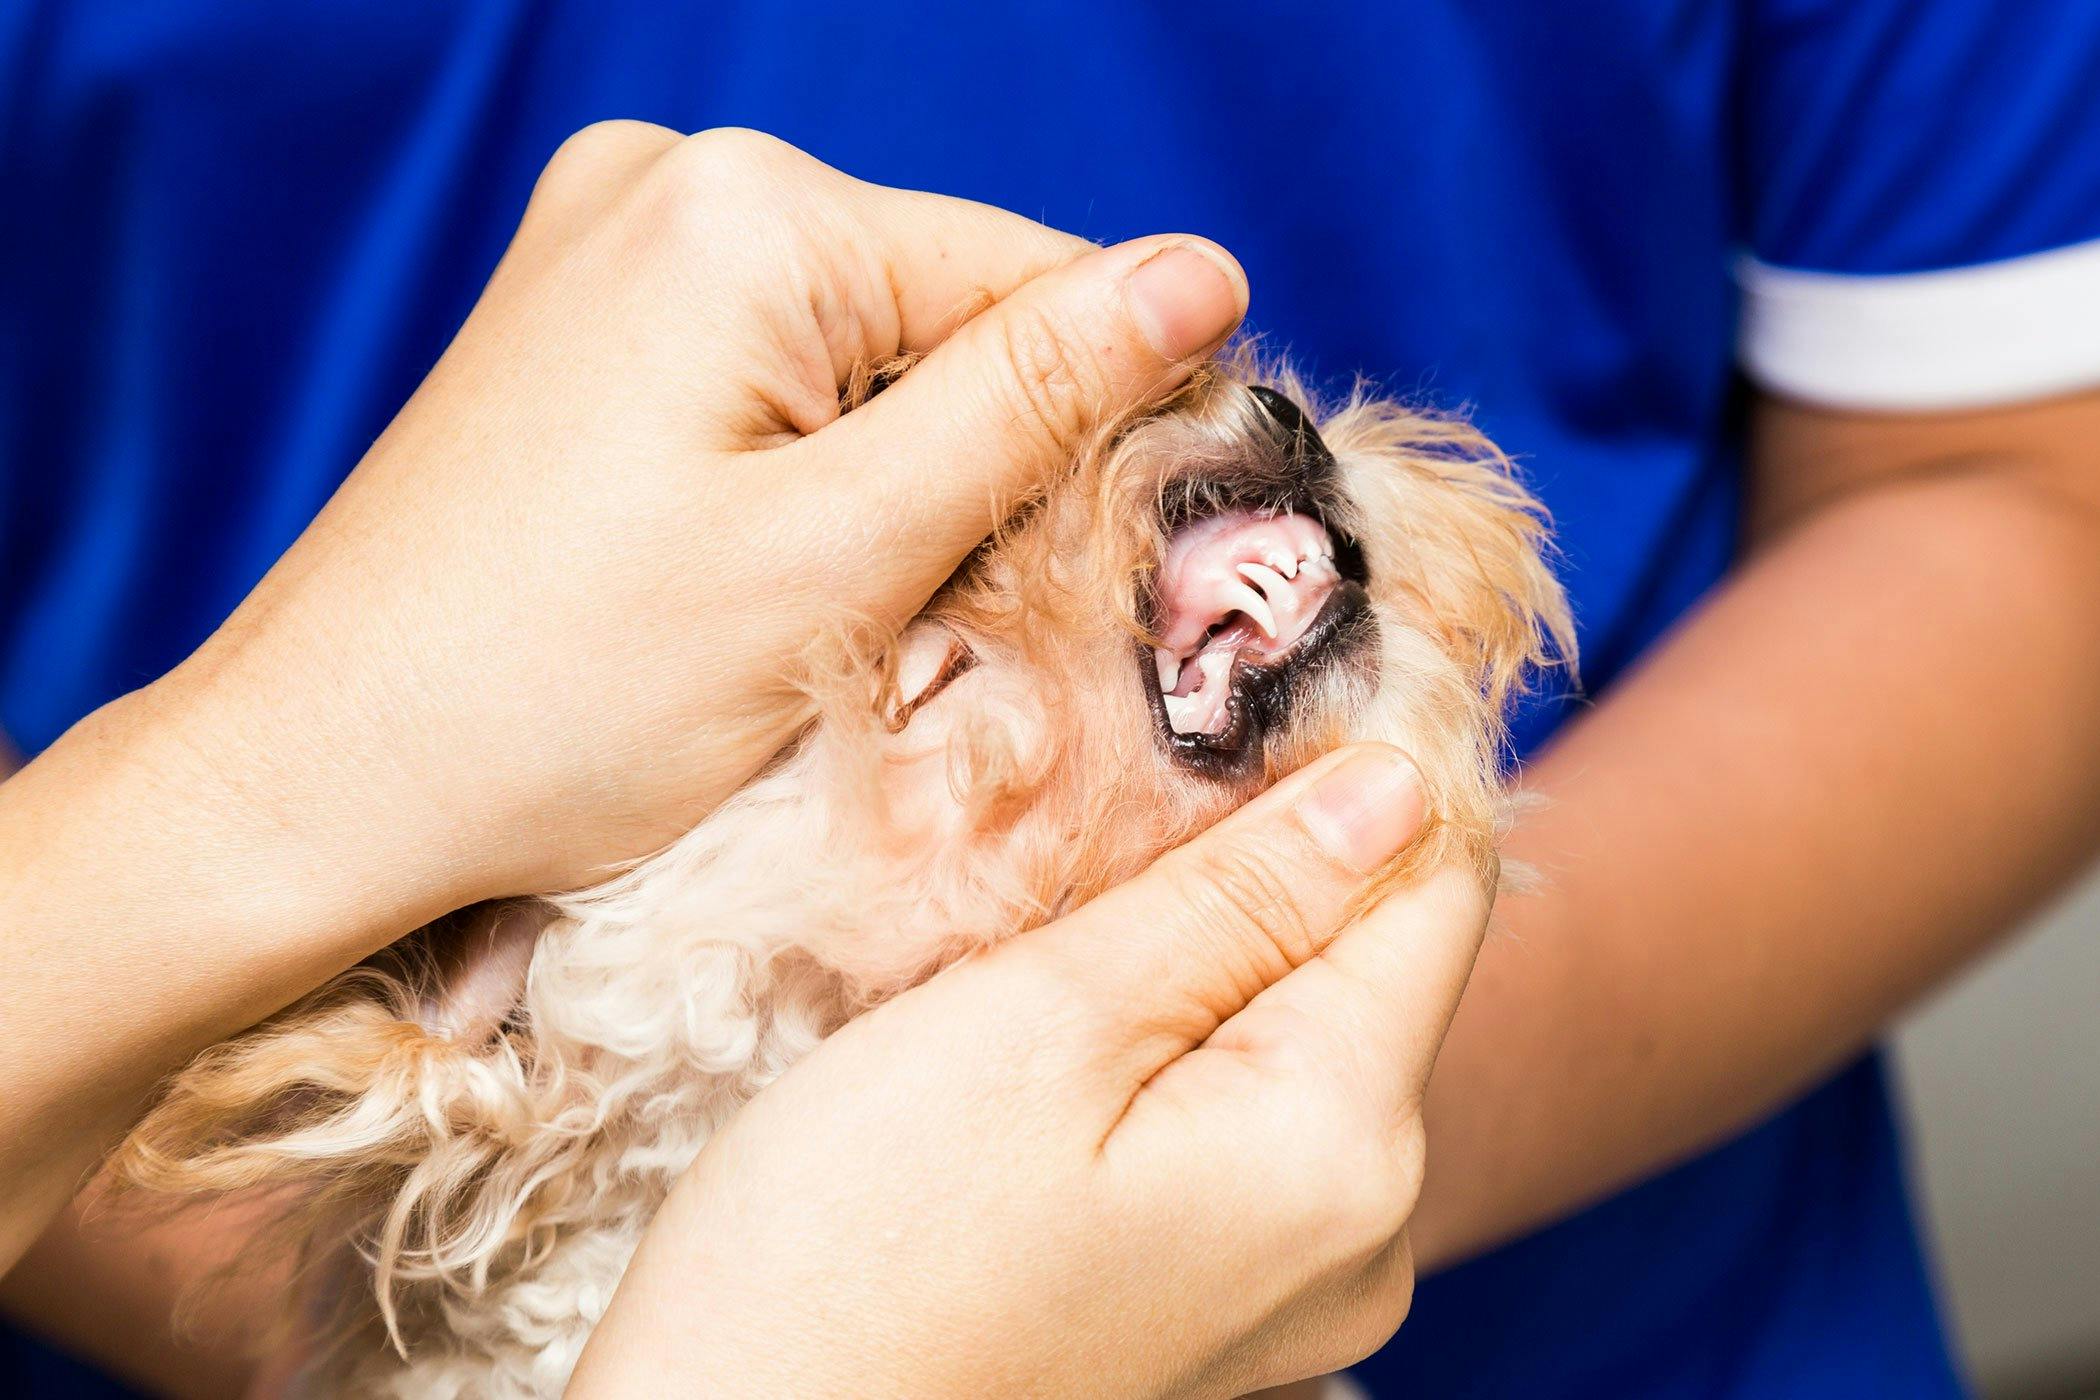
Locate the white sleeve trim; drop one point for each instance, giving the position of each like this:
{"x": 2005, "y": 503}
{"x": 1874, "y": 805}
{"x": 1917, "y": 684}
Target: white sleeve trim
{"x": 1968, "y": 337}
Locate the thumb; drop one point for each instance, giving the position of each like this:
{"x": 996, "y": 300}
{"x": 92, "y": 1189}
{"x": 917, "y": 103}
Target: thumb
{"x": 1170, "y": 956}
{"x": 1005, "y": 401}
{"x": 1374, "y": 1007}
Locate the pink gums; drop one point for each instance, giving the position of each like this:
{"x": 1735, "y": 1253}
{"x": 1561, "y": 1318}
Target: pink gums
{"x": 1235, "y": 585}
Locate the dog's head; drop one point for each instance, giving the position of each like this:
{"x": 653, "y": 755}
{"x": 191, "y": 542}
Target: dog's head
{"x": 1217, "y": 592}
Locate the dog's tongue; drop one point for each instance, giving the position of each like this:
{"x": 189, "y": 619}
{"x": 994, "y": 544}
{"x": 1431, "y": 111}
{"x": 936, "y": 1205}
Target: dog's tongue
{"x": 1234, "y": 585}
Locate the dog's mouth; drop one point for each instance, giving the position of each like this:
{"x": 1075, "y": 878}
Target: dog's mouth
{"x": 1255, "y": 594}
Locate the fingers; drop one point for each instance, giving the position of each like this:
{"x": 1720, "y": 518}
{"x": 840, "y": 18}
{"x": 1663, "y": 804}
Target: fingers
{"x": 1033, "y": 339}
{"x": 945, "y": 260}
{"x": 1007, "y": 399}
{"x": 1374, "y": 1005}
{"x": 1172, "y": 955}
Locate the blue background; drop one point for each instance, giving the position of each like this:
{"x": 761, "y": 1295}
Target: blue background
{"x": 235, "y": 236}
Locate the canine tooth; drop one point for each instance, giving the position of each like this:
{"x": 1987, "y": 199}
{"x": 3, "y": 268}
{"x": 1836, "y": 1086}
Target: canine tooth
{"x": 1248, "y": 601}
{"x": 1168, "y": 664}
{"x": 1267, "y": 580}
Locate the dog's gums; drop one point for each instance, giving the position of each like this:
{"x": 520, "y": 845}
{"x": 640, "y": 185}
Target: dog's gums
{"x": 1234, "y": 587}
{"x": 1248, "y": 596}
{"x": 468, "y": 1134}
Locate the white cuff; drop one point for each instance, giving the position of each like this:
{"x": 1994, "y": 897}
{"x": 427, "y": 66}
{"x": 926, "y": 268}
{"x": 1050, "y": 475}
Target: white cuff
{"x": 1969, "y": 337}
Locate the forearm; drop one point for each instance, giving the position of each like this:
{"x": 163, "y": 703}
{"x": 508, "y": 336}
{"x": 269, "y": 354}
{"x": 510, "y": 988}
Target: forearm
{"x": 176, "y": 1305}
{"x": 114, "y": 1290}
{"x": 154, "y": 902}
{"x": 1855, "y": 767}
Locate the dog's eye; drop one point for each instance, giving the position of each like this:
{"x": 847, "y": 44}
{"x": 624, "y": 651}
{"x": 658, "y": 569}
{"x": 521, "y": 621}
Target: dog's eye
{"x": 932, "y": 660}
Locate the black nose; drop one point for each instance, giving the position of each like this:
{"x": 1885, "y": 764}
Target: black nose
{"x": 1293, "y": 431}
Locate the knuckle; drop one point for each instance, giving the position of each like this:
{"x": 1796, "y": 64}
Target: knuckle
{"x": 728, "y": 154}
{"x": 1381, "y": 1299}
{"x": 724, "y": 182}
{"x": 1369, "y": 1179}
{"x": 1365, "y": 1212}
{"x": 603, "y": 144}
{"x": 585, "y": 163}
{"x": 1058, "y": 385}
{"x": 1247, "y": 893}
{"x": 1460, "y": 893}
{"x": 1410, "y": 1158}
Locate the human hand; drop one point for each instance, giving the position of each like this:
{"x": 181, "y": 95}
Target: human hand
{"x": 555, "y": 614}
{"x": 557, "y": 611}
{"x": 1167, "y": 1145}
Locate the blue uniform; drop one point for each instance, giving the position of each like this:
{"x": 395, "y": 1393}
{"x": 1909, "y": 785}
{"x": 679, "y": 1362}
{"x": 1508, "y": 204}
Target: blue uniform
{"x": 234, "y": 236}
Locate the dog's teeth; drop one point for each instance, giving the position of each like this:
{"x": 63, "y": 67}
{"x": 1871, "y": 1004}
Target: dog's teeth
{"x": 1267, "y": 580}
{"x": 1169, "y": 666}
{"x": 1179, "y": 718}
{"x": 1215, "y": 665}
{"x": 1246, "y": 600}
{"x": 1285, "y": 563}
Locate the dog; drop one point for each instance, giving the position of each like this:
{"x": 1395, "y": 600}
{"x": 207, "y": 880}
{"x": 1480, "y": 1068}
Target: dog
{"x": 470, "y": 1132}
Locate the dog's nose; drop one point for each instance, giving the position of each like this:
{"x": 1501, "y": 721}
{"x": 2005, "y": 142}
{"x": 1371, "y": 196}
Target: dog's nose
{"x": 1301, "y": 442}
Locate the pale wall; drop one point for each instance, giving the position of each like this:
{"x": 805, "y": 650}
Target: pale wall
{"x": 2002, "y": 1076}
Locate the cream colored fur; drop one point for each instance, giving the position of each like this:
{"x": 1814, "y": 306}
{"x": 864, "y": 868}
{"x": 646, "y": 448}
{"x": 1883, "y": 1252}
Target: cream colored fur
{"x": 471, "y": 1178}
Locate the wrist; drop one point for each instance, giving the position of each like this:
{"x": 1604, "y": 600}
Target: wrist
{"x": 185, "y": 877}
{"x": 140, "y": 826}
{"x": 303, "y": 800}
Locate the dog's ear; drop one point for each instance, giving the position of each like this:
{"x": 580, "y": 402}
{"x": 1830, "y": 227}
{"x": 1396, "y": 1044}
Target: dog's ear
{"x": 1453, "y": 536}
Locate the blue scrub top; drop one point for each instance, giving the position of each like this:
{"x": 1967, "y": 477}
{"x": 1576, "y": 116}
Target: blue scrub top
{"x": 234, "y": 236}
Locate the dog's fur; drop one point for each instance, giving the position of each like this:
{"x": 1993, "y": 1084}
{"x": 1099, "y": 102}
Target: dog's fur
{"x": 473, "y": 1151}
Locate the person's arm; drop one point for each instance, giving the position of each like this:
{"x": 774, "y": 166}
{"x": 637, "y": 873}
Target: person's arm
{"x": 1852, "y": 769}
{"x": 113, "y": 1290}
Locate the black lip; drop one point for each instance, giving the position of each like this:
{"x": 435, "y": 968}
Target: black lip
{"x": 1262, "y": 695}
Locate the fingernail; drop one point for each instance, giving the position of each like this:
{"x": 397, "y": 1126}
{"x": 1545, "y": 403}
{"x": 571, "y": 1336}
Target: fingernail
{"x": 1185, "y": 301}
{"x": 1365, "y": 810}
